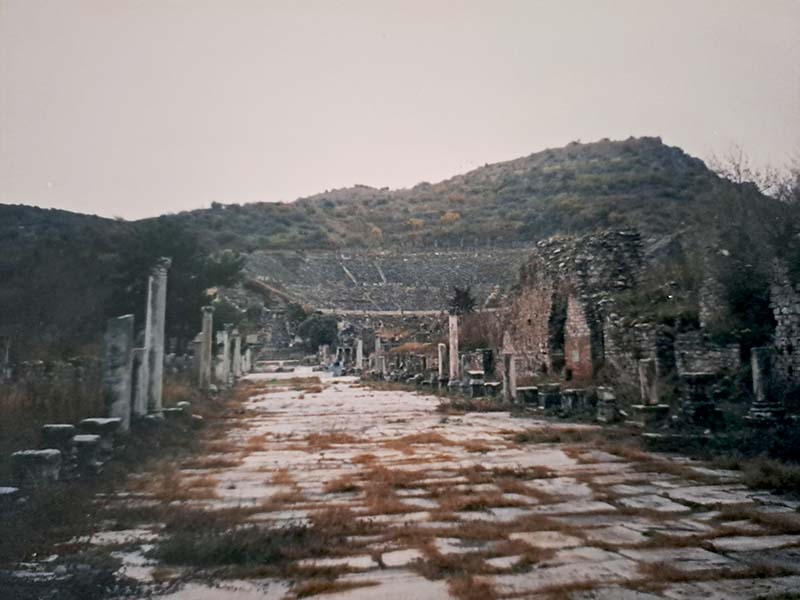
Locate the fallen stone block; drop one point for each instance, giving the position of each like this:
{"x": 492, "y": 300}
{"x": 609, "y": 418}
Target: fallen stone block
{"x": 105, "y": 428}
{"x": 8, "y": 497}
{"x": 649, "y": 416}
{"x": 36, "y": 467}
{"x": 492, "y": 388}
{"x": 172, "y": 413}
{"x": 528, "y": 395}
{"x": 58, "y": 436}
{"x": 549, "y": 396}
{"x": 88, "y": 453}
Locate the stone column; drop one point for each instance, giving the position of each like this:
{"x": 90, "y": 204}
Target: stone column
{"x": 380, "y": 360}
{"x": 219, "y": 360}
{"x": 197, "y": 351}
{"x": 140, "y": 379}
{"x": 765, "y": 406}
{"x": 237, "y": 354}
{"x": 453, "y": 336}
{"x": 606, "y": 405}
{"x": 226, "y": 353}
{"x": 141, "y": 356}
{"x": 509, "y": 378}
{"x": 649, "y": 413}
{"x": 697, "y": 399}
{"x": 247, "y": 361}
{"x": 360, "y": 355}
{"x": 206, "y": 348}
{"x": 324, "y": 355}
{"x": 5, "y": 353}
{"x": 442, "y": 348}
{"x": 648, "y": 381}
{"x": 118, "y": 369}
{"x": 154, "y": 334}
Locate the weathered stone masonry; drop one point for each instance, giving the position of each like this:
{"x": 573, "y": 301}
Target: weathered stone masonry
{"x": 785, "y": 299}
{"x": 557, "y": 314}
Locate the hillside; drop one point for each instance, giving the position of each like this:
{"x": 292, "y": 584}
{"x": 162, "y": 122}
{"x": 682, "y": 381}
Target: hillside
{"x": 364, "y": 248}
{"x": 639, "y": 183}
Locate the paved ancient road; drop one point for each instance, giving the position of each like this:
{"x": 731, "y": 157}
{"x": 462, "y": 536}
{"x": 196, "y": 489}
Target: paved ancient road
{"x": 416, "y": 504}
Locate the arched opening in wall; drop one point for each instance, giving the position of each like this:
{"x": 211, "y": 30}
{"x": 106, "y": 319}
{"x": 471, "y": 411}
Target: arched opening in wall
{"x": 555, "y": 334}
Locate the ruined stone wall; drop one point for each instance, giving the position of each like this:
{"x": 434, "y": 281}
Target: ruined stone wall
{"x": 625, "y": 343}
{"x": 557, "y": 312}
{"x": 84, "y": 371}
{"x": 785, "y": 301}
{"x": 530, "y": 326}
{"x": 696, "y": 354}
{"x": 54, "y": 388}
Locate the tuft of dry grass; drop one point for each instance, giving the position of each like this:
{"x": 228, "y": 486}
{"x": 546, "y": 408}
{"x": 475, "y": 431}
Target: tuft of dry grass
{"x": 393, "y": 478}
{"x": 477, "y": 446}
{"x": 326, "y": 440}
{"x": 167, "y": 485}
{"x": 406, "y": 443}
{"x": 662, "y": 572}
{"x": 313, "y": 587}
{"x": 339, "y": 521}
{"x": 765, "y": 473}
{"x": 256, "y": 443}
{"x": 475, "y": 502}
{"x": 775, "y": 522}
{"x": 342, "y": 485}
{"x": 282, "y": 477}
{"x": 478, "y": 474}
{"x": 211, "y": 462}
{"x": 440, "y": 566}
{"x": 466, "y": 587}
{"x": 555, "y": 435}
{"x": 201, "y": 481}
{"x": 223, "y": 446}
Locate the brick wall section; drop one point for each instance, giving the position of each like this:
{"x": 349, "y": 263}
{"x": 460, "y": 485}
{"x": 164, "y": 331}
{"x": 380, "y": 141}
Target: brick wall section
{"x": 785, "y": 300}
{"x": 579, "y": 357}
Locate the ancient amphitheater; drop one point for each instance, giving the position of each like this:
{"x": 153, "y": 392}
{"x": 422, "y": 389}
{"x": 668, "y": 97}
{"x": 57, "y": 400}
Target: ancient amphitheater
{"x": 390, "y": 280}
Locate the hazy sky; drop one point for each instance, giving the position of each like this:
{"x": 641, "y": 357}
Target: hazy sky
{"x": 135, "y": 108}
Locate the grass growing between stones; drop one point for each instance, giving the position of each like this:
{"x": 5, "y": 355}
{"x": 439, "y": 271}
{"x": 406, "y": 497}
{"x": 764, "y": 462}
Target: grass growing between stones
{"x": 313, "y": 587}
{"x": 203, "y": 546}
{"x": 466, "y": 587}
{"x": 218, "y": 542}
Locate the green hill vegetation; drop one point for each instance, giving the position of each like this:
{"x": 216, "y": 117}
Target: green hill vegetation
{"x": 63, "y": 273}
{"x": 639, "y": 183}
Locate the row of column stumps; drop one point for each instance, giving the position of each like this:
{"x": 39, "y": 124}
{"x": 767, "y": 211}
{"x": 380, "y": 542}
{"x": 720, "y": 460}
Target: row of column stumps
{"x": 766, "y": 407}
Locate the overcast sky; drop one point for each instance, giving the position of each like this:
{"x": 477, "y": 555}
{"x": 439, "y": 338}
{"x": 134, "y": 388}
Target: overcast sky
{"x": 136, "y": 108}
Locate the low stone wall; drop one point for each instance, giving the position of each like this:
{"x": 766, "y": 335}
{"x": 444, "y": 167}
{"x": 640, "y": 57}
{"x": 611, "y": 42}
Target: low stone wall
{"x": 694, "y": 353}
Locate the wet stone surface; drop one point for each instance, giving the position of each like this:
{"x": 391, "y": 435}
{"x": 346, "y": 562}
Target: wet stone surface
{"x": 375, "y": 494}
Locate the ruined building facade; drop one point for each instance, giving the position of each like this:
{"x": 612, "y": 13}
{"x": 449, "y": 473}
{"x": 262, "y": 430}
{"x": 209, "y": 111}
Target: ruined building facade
{"x": 557, "y": 316}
